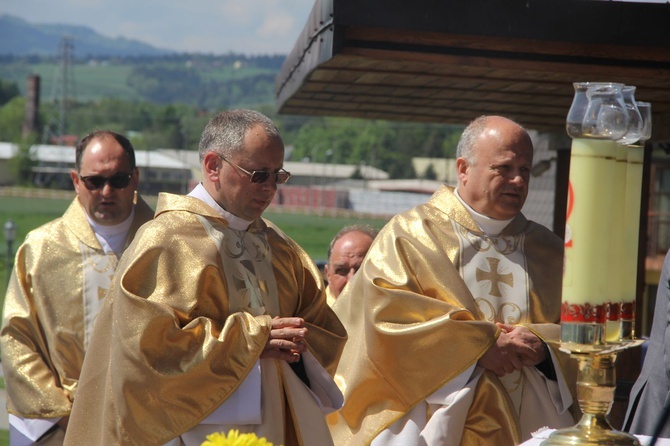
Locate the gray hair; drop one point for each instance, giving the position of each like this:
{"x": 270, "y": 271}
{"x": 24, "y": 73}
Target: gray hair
{"x": 224, "y": 133}
{"x": 466, "y": 144}
{"x": 365, "y": 229}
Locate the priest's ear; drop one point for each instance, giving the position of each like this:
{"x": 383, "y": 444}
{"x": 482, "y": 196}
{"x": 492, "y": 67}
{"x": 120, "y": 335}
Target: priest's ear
{"x": 462, "y": 170}
{"x": 211, "y": 167}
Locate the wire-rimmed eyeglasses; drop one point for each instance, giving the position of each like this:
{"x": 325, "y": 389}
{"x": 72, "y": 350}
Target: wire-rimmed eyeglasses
{"x": 261, "y": 176}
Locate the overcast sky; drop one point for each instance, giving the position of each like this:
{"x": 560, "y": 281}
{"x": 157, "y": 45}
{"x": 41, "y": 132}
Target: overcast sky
{"x": 203, "y": 26}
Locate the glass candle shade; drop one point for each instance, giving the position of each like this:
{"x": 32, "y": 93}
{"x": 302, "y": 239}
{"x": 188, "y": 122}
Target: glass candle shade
{"x": 635, "y": 123}
{"x": 606, "y": 116}
{"x": 645, "y": 113}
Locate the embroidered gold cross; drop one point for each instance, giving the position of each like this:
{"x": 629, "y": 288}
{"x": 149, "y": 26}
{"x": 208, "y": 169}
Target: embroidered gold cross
{"x": 494, "y": 276}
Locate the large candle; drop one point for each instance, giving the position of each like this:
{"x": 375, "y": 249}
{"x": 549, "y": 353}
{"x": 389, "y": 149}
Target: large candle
{"x": 588, "y": 224}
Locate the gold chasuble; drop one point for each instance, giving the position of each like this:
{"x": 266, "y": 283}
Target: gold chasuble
{"x": 420, "y": 313}
{"x": 188, "y": 317}
{"x": 61, "y": 276}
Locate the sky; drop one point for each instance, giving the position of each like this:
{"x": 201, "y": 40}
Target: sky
{"x": 203, "y": 26}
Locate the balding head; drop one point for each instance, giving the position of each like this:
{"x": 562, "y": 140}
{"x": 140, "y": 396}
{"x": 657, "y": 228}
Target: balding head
{"x": 346, "y": 253}
{"x": 495, "y": 155}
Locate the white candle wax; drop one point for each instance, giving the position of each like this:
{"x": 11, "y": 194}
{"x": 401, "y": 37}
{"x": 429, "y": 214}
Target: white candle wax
{"x": 589, "y": 219}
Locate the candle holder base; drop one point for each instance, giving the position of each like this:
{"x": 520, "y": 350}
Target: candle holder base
{"x": 596, "y": 383}
{"x": 591, "y": 431}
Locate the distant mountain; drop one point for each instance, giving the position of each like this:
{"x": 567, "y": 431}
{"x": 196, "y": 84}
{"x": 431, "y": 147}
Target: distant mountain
{"x": 20, "y": 38}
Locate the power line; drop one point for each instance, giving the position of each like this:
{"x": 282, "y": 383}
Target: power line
{"x": 63, "y": 97}
{"x": 62, "y": 94}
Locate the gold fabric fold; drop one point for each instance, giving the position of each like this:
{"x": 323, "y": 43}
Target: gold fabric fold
{"x": 42, "y": 335}
{"x": 488, "y": 421}
{"x": 414, "y": 325}
{"x": 171, "y": 344}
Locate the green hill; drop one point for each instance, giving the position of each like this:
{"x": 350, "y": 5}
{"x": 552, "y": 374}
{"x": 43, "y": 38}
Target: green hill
{"x": 206, "y": 82}
{"x": 100, "y": 67}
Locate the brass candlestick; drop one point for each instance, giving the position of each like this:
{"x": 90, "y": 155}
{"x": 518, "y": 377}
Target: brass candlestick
{"x": 600, "y": 116}
{"x": 596, "y": 383}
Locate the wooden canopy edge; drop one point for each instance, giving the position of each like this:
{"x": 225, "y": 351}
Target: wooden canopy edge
{"x": 354, "y": 53}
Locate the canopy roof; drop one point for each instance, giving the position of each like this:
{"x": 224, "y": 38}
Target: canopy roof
{"x": 451, "y": 61}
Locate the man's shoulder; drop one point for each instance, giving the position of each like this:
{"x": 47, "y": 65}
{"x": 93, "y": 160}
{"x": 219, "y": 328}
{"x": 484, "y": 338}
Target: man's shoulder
{"x": 50, "y": 239}
{"x": 410, "y": 224}
{"x": 435, "y": 208}
{"x": 169, "y": 204}
{"x": 171, "y": 235}
{"x": 179, "y": 214}
{"x": 47, "y": 230}
{"x": 167, "y": 223}
{"x": 73, "y": 211}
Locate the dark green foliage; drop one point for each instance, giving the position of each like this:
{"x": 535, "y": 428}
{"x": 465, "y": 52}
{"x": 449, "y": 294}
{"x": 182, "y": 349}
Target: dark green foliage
{"x": 11, "y": 119}
{"x": 8, "y": 90}
{"x": 386, "y": 145}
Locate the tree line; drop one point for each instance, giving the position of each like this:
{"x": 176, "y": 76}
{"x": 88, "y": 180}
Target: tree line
{"x": 176, "y": 102}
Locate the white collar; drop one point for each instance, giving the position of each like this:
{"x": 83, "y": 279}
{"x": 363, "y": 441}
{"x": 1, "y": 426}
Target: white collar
{"x": 112, "y": 238}
{"x": 234, "y": 221}
{"x": 488, "y": 225}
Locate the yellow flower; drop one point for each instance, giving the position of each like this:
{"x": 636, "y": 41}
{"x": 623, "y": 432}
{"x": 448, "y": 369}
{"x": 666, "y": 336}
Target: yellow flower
{"x": 234, "y": 438}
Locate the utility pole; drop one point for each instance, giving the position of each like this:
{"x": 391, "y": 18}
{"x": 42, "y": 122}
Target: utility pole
{"x": 62, "y": 96}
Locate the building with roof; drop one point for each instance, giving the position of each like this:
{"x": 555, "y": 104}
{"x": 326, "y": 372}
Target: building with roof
{"x": 359, "y": 188}
{"x": 158, "y": 172}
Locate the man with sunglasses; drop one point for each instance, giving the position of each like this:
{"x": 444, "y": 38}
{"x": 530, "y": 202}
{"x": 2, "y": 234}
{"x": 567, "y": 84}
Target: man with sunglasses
{"x": 217, "y": 320}
{"x": 61, "y": 274}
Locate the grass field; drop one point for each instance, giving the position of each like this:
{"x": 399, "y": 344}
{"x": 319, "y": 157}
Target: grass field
{"x": 92, "y": 81}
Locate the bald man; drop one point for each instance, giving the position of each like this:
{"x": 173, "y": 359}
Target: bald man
{"x": 345, "y": 255}
{"x": 61, "y": 275}
{"x": 450, "y": 310}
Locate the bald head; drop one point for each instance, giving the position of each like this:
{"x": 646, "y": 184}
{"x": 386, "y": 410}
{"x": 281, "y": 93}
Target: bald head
{"x": 495, "y": 155}
{"x": 346, "y": 253}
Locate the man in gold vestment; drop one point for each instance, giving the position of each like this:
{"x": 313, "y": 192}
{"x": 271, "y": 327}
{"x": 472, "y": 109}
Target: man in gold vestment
{"x": 62, "y": 272}
{"x": 216, "y": 319}
{"x": 447, "y": 315}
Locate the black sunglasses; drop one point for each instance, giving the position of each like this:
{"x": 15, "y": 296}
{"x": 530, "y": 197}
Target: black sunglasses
{"x": 118, "y": 181}
{"x": 261, "y": 176}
